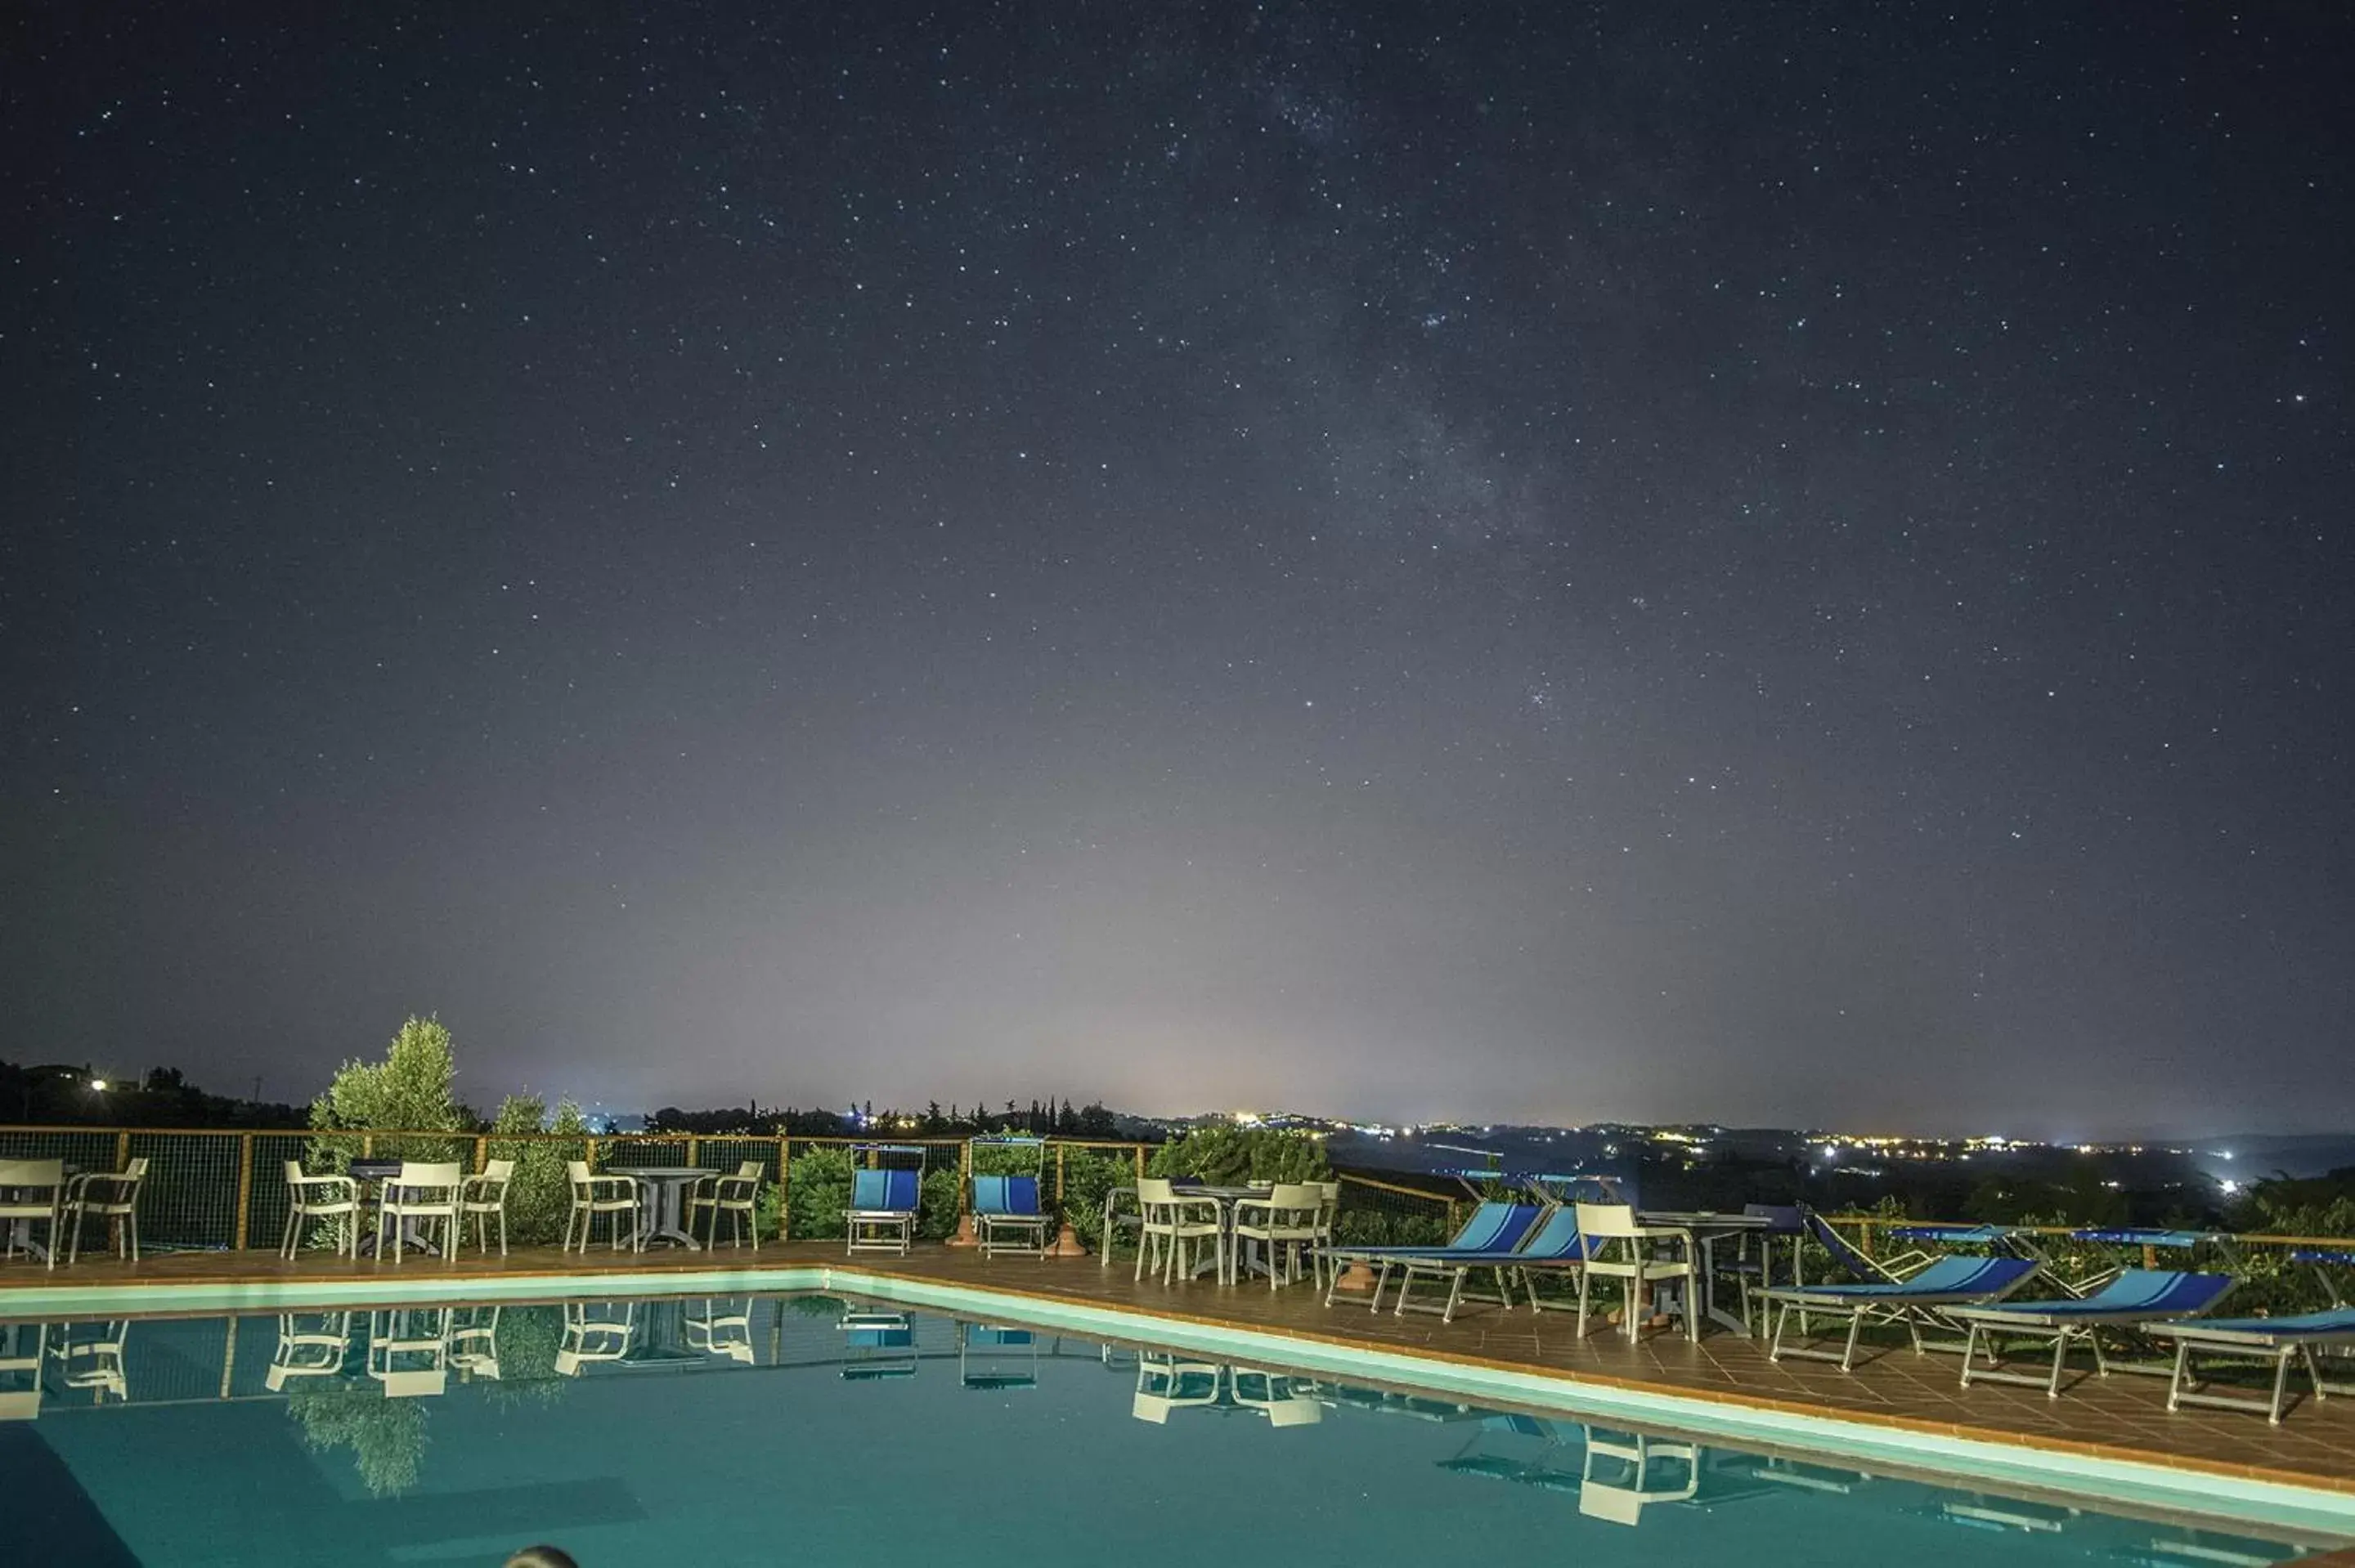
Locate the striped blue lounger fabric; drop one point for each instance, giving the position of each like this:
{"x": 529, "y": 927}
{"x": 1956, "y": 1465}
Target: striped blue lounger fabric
{"x": 2281, "y": 1339}
{"x": 1949, "y": 1282}
{"x": 1495, "y": 1226}
{"x": 2137, "y": 1297}
{"x": 1553, "y": 1242}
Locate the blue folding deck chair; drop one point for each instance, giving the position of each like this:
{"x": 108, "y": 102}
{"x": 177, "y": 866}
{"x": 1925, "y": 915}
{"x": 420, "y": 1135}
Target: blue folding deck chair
{"x": 2283, "y": 1339}
{"x": 1948, "y": 1282}
{"x": 1553, "y": 1244}
{"x": 1005, "y": 1212}
{"x": 884, "y": 1197}
{"x": 2136, "y": 1298}
{"x": 1495, "y": 1227}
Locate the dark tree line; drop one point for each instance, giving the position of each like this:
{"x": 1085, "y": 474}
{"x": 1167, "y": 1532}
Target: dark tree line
{"x": 60, "y": 1093}
{"x": 1042, "y": 1117}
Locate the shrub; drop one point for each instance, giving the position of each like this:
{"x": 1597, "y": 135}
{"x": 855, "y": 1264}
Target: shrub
{"x": 540, "y": 1198}
{"x": 818, "y": 1193}
{"x": 1087, "y": 1176}
{"x": 1224, "y": 1156}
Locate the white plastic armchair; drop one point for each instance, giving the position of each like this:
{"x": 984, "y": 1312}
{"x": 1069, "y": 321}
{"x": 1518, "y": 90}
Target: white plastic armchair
{"x": 1618, "y": 1247}
{"x": 1286, "y": 1221}
{"x": 593, "y": 1195}
{"x": 111, "y": 1196}
{"x": 319, "y": 1198}
{"x": 483, "y": 1195}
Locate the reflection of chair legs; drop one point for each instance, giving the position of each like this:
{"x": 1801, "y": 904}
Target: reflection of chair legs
{"x": 882, "y": 1345}
{"x": 1166, "y": 1381}
{"x": 989, "y": 1357}
{"x": 22, "y": 1356}
{"x": 475, "y": 1341}
{"x": 1627, "y": 1472}
{"x": 722, "y": 1326}
{"x": 90, "y": 1356}
{"x": 596, "y": 1331}
{"x": 409, "y": 1351}
{"x": 1273, "y": 1396}
{"x": 310, "y": 1344}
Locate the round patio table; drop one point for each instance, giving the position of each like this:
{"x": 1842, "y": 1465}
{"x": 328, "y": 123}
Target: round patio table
{"x": 1702, "y": 1231}
{"x": 662, "y": 1200}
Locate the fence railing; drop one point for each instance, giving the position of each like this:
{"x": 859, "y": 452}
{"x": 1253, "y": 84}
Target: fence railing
{"x": 225, "y": 1188}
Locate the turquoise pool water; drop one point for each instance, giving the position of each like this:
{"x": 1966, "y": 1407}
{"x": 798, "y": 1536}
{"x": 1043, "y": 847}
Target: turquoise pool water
{"x": 814, "y": 1429}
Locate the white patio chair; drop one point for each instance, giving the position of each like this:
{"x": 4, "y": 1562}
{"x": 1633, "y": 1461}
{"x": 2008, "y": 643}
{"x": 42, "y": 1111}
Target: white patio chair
{"x": 30, "y": 1190}
{"x": 1619, "y": 1248}
{"x": 737, "y": 1197}
{"x": 594, "y": 1195}
{"x": 425, "y": 1190}
{"x": 1285, "y": 1223}
{"x": 483, "y": 1196}
{"x": 320, "y": 1198}
{"x": 1175, "y": 1228}
{"x": 110, "y": 1195}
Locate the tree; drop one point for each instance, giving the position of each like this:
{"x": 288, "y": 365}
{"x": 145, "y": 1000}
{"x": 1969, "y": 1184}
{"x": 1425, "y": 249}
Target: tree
{"x": 409, "y": 1091}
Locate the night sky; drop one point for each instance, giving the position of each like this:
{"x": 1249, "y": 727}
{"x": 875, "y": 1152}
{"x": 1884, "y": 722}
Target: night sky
{"x": 1757, "y": 563}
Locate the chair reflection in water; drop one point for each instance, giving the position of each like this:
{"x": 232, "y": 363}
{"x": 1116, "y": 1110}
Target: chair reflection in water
{"x": 990, "y": 1357}
{"x": 1627, "y": 1472}
{"x": 1543, "y": 1467}
{"x": 89, "y": 1357}
{"x": 880, "y": 1345}
{"x": 475, "y": 1341}
{"x": 409, "y": 1351}
{"x": 310, "y": 1344}
{"x": 21, "y": 1356}
{"x": 1166, "y": 1381}
{"x": 596, "y": 1332}
{"x": 722, "y": 1326}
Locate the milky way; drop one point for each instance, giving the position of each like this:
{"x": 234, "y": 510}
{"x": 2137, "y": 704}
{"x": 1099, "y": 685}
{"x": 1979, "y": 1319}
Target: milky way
{"x": 1742, "y": 563}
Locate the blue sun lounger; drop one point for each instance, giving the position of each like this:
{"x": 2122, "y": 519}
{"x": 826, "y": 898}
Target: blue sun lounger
{"x": 2281, "y": 1338}
{"x": 1006, "y": 1216}
{"x": 1948, "y": 1282}
{"x": 1553, "y": 1242}
{"x": 2137, "y": 1297}
{"x": 883, "y": 1200}
{"x": 1495, "y": 1226}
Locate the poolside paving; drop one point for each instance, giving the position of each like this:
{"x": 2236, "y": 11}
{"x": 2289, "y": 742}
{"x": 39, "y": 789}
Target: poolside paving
{"x": 2121, "y": 1417}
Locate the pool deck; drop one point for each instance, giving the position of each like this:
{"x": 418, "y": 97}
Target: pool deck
{"x": 2121, "y": 1417}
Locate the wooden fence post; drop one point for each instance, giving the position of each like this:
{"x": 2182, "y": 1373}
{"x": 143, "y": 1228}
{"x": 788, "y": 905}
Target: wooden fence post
{"x": 784, "y": 1175}
{"x": 481, "y": 1151}
{"x": 1059, "y": 1178}
{"x": 244, "y": 1185}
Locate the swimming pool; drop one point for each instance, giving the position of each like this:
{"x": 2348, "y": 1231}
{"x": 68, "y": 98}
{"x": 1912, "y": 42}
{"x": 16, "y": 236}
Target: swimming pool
{"x": 823, "y": 1429}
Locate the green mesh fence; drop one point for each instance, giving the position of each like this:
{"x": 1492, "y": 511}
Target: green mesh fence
{"x": 1378, "y": 1213}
